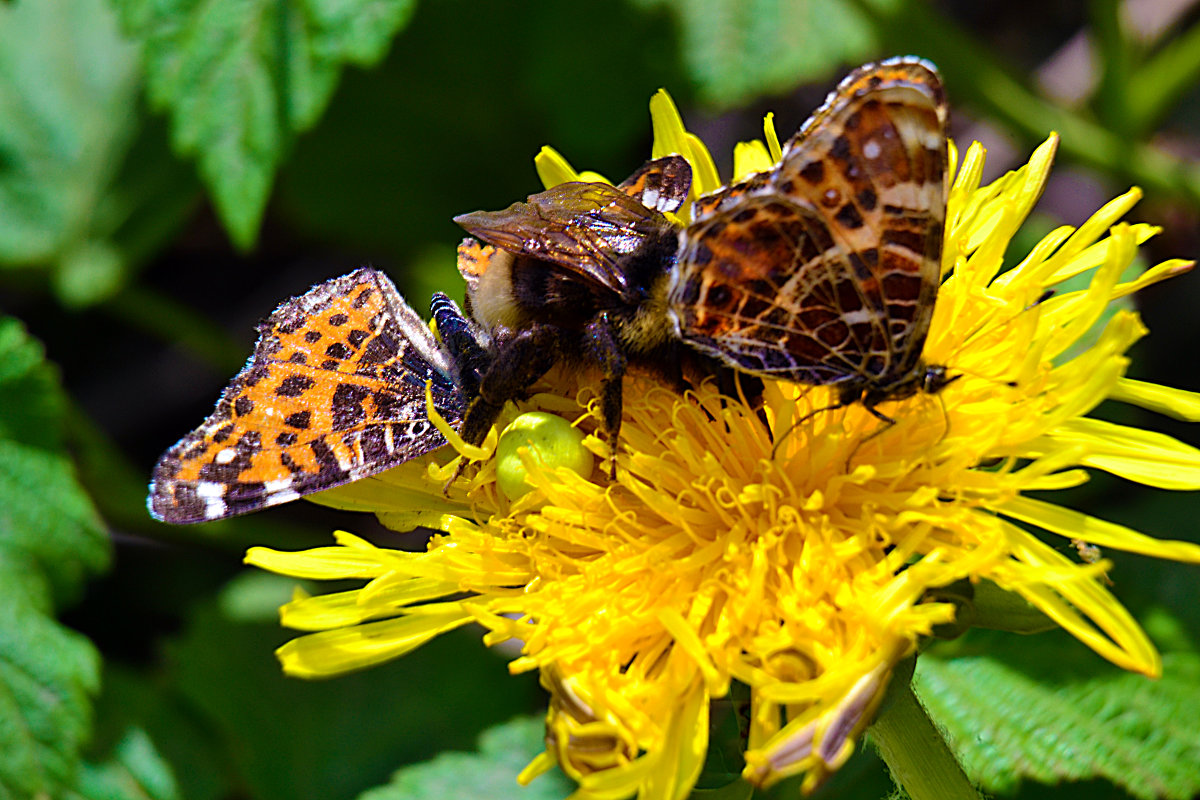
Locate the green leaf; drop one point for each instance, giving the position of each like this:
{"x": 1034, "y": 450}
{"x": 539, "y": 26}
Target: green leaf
{"x": 737, "y": 49}
{"x": 143, "y": 703}
{"x": 397, "y": 154}
{"x": 68, "y": 97}
{"x": 50, "y": 538}
{"x": 242, "y": 77}
{"x": 45, "y": 519}
{"x": 488, "y": 774}
{"x": 1049, "y": 710}
{"x": 134, "y": 772}
{"x": 1163, "y": 80}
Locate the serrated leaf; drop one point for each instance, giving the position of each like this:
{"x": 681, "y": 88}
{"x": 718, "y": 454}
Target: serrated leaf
{"x": 242, "y": 77}
{"x": 45, "y": 519}
{"x": 488, "y": 774}
{"x": 1050, "y": 711}
{"x": 736, "y": 50}
{"x": 68, "y": 97}
{"x": 50, "y": 537}
{"x": 134, "y": 772}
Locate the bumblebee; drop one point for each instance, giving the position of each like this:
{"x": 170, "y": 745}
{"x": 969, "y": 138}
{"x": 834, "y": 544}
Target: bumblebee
{"x": 576, "y": 274}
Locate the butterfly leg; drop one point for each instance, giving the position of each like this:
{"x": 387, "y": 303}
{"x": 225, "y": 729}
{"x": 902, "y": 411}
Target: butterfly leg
{"x": 868, "y": 404}
{"x": 879, "y": 415}
{"x": 604, "y": 349}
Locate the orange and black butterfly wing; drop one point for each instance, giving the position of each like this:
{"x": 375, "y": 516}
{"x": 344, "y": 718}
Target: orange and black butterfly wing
{"x": 334, "y": 392}
{"x": 826, "y": 268}
{"x": 662, "y": 184}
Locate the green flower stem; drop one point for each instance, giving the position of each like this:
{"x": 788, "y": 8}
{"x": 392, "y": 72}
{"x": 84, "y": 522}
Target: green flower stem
{"x": 984, "y": 81}
{"x": 915, "y": 751}
{"x": 1111, "y": 98}
{"x": 1163, "y": 79}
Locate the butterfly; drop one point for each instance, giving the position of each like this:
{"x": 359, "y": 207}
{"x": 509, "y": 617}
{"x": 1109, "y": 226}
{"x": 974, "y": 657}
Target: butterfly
{"x": 825, "y": 269}
{"x": 334, "y": 392}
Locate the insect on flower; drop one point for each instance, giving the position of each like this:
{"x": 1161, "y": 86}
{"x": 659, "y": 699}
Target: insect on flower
{"x": 577, "y": 273}
{"x": 823, "y": 270}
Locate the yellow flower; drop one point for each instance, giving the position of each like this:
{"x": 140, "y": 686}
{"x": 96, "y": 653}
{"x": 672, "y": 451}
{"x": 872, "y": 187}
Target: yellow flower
{"x": 786, "y": 550}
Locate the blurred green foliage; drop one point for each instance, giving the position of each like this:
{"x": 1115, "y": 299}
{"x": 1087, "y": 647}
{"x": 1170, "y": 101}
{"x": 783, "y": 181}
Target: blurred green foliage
{"x": 169, "y": 170}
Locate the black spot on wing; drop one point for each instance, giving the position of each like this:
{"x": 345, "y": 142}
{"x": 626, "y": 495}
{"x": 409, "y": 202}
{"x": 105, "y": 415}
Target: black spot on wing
{"x": 300, "y": 420}
{"x": 294, "y": 386}
{"x": 348, "y": 408}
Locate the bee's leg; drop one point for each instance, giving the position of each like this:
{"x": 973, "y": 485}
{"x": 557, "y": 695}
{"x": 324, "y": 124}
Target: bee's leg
{"x": 464, "y": 341}
{"x": 514, "y": 366}
{"x": 604, "y": 349}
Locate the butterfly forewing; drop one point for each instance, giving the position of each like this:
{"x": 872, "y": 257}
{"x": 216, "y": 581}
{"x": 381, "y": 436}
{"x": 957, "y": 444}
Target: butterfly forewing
{"x": 662, "y": 184}
{"x": 335, "y": 391}
{"x": 825, "y": 269}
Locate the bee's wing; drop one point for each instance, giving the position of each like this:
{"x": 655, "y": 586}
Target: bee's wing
{"x": 588, "y": 229}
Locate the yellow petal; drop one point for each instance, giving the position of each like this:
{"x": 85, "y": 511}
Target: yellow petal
{"x": 771, "y": 136}
{"x": 323, "y": 612}
{"x": 1075, "y": 525}
{"x": 670, "y": 137}
{"x": 1177, "y": 403}
{"x": 749, "y": 158}
{"x": 321, "y": 655}
{"x": 683, "y": 750}
{"x": 552, "y": 168}
{"x": 319, "y": 563}
{"x": 1119, "y": 638}
{"x": 1132, "y": 453}
{"x": 704, "y": 170}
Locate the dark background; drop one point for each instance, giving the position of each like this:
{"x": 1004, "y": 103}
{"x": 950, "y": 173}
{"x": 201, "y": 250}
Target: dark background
{"x": 449, "y": 122}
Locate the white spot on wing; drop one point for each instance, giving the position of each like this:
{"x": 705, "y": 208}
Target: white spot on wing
{"x": 856, "y": 317}
{"x": 281, "y": 497}
{"x": 213, "y": 495}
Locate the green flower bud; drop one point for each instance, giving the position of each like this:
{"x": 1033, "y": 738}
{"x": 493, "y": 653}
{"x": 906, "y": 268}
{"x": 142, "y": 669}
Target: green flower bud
{"x": 550, "y": 439}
